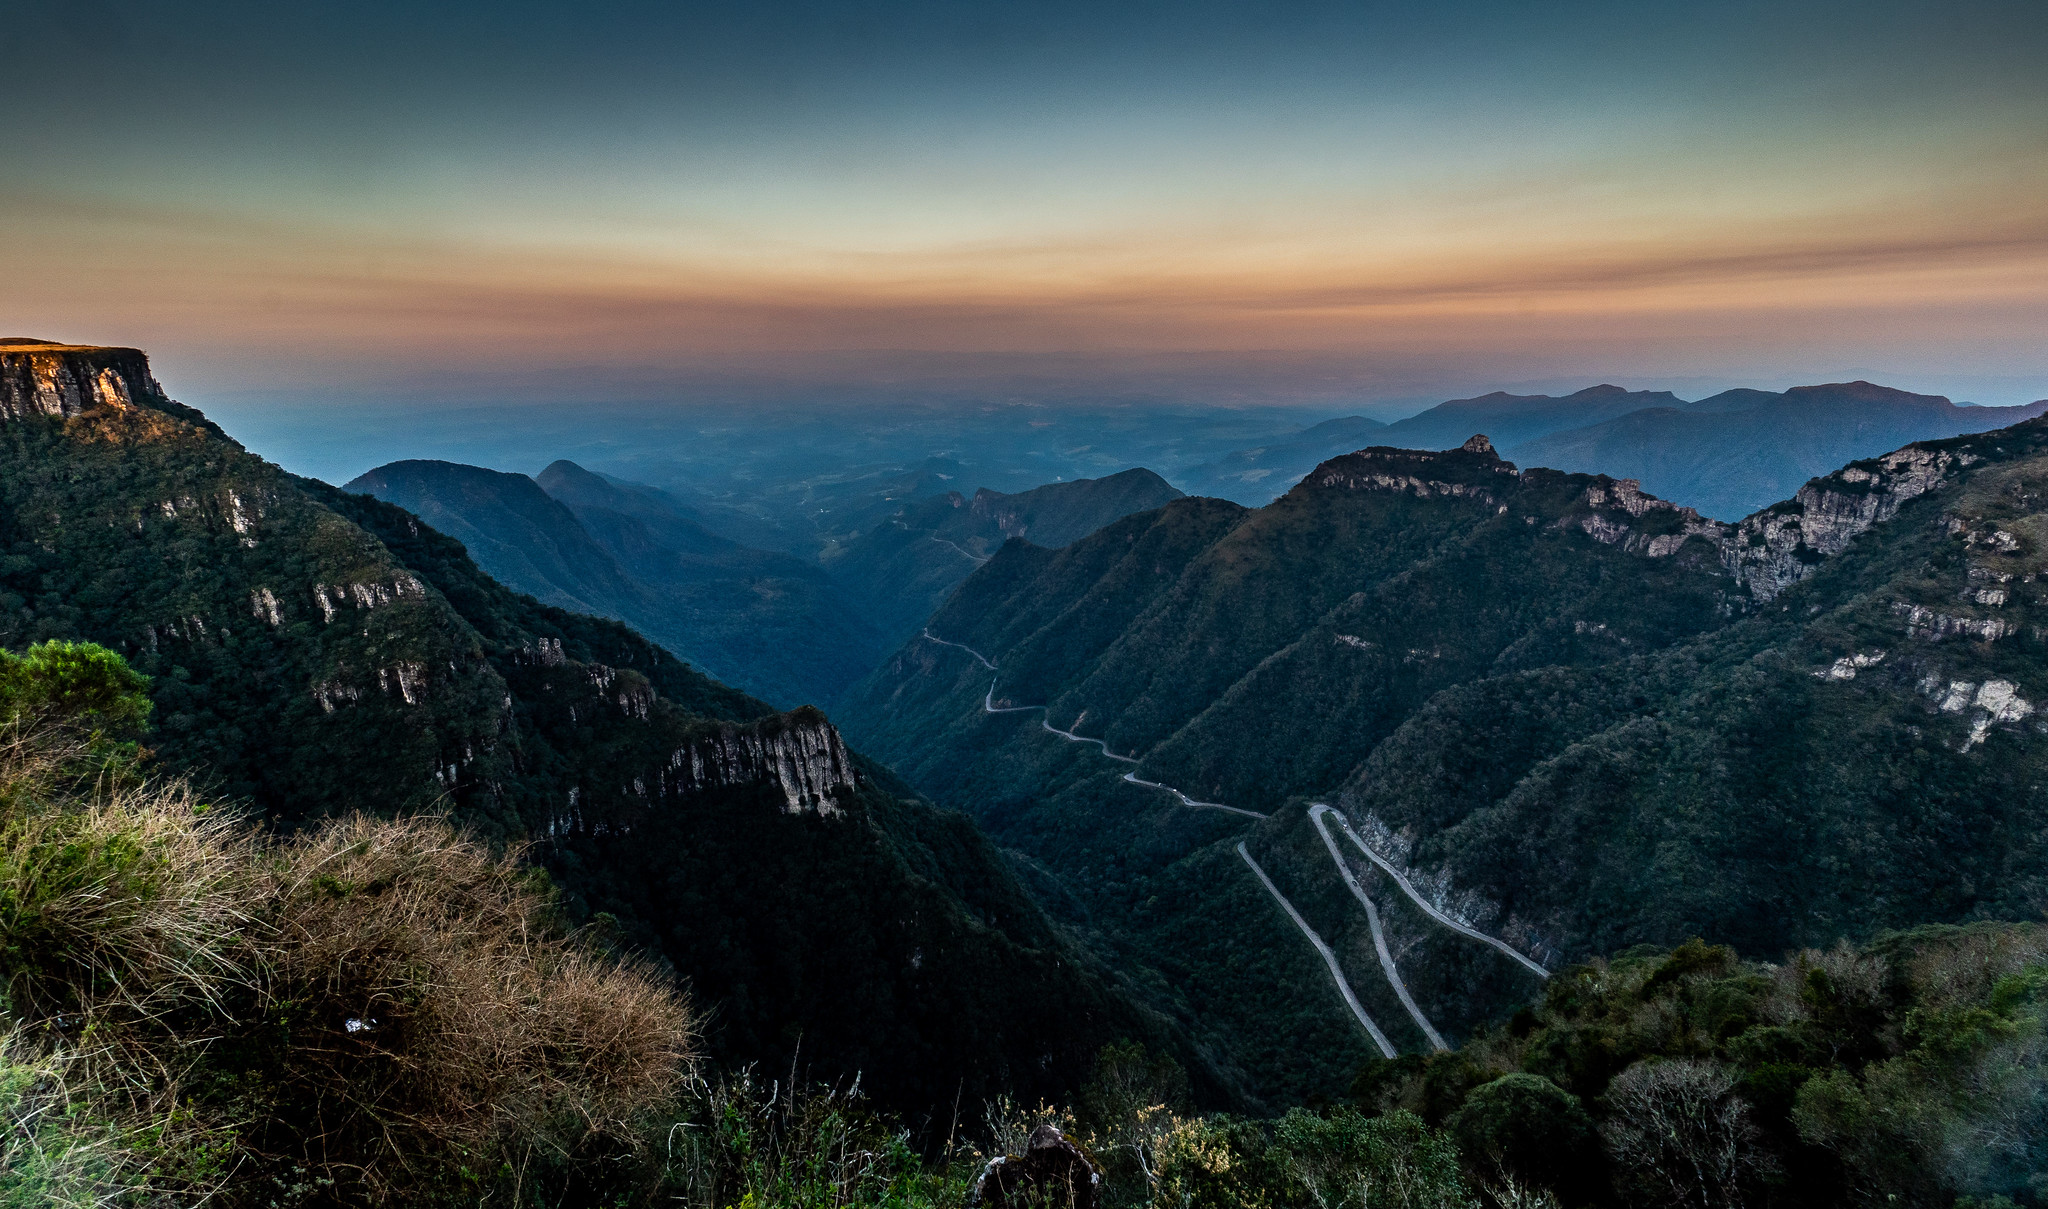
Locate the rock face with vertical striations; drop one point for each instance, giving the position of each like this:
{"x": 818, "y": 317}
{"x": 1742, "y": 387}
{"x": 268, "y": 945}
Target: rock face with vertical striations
{"x": 315, "y": 652}
{"x": 798, "y": 753}
{"x": 41, "y": 377}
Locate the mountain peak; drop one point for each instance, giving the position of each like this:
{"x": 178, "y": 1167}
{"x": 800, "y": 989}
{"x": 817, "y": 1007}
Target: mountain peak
{"x": 1600, "y": 391}
{"x": 1477, "y": 443}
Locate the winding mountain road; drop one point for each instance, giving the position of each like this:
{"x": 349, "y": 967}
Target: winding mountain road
{"x": 1185, "y": 800}
{"x": 1318, "y": 813}
{"x": 1319, "y": 809}
{"x": 1379, "y": 936}
{"x": 963, "y": 646}
{"x": 988, "y": 705}
{"x": 978, "y": 560}
{"x": 1329, "y": 957}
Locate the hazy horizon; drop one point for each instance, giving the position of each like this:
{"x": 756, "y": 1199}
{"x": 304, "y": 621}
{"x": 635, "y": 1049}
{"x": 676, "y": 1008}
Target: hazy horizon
{"x": 1327, "y": 206}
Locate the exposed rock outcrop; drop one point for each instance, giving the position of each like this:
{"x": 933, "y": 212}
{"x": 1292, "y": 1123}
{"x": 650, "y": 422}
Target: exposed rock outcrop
{"x": 1782, "y": 545}
{"x": 1776, "y": 548}
{"x": 799, "y": 753}
{"x": 1052, "y": 1173}
{"x": 45, "y": 379}
{"x": 1462, "y": 473}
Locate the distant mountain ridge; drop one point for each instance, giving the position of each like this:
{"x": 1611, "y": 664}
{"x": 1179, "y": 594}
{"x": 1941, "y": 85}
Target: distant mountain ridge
{"x": 766, "y": 621}
{"x": 905, "y": 567}
{"x": 1736, "y": 452}
{"x": 1726, "y": 455}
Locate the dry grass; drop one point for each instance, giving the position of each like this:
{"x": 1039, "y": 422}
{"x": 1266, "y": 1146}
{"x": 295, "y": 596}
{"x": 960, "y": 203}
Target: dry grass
{"x": 122, "y": 907}
{"x": 360, "y": 1014}
{"x": 441, "y": 1010}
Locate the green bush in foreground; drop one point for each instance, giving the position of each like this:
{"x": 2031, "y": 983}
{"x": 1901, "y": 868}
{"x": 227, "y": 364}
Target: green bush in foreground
{"x": 1909, "y": 1072}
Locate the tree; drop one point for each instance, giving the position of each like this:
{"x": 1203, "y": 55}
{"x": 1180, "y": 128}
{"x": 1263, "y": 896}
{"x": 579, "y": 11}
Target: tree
{"x": 1680, "y": 1136}
{"x": 1528, "y": 1130}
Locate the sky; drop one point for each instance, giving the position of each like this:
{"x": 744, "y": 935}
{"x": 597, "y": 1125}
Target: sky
{"x": 1247, "y": 202}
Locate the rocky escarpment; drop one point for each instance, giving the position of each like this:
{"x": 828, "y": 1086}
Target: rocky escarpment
{"x": 41, "y": 378}
{"x": 1768, "y": 552}
{"x": 1451, "y": 474}
{"x": 1764, "y": 554}
{"x": 1778, "y": 547}
{"x": 799, "y": 753}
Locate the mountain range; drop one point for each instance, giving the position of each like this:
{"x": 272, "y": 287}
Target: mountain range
{"x": 1726, "y": 456}
{"x": 1556, "y": 716}
{"x": 766, "y": 621}
{"x": 315, "y": 653}
{"x": 1282, "y": 792}
{"x": 782, "y": 627}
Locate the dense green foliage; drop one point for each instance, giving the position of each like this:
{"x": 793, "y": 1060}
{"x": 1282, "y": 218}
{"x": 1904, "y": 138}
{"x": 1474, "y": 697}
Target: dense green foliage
{"x": 1912, "y": 1071}
{"x": 1740, "y": 787}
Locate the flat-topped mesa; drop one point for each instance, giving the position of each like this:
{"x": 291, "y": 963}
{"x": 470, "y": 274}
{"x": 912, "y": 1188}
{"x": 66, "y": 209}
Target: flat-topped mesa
{"x": 44, "y": 378}
{"x": 1469, "y": 471}
{"x": 800, "y": 753}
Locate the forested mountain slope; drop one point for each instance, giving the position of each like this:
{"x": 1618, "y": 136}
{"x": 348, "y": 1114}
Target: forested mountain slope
{"x": 316, "y": 652}
{"x": 905, "y": 566}
{"x": 1569, "y": 716}
{"x": 766, "y": 621}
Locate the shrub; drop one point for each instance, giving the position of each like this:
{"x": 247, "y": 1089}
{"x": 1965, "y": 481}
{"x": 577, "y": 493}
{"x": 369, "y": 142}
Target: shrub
{"x": 1390, "y": 1162}
{"x": 71, "y": 683}
{"x": 57, "y": 1147}
{"x": 1525, "y": 1130}
{"x": 121, "y": 907}
{"x": 419, "y": 1005}
{"x": 742, "y": 1143}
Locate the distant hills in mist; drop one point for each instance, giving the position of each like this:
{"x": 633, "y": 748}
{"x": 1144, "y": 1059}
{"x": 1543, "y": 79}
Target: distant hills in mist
{"x": 1726, "y": 455}
{"x": 780, "y": 626}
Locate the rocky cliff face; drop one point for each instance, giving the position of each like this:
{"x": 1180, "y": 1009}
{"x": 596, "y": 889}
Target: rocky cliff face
{"x": 44, "y": 379}
{"x": 799, "y": 753}
{"x": 1780, "y": 546}
{"x": 1460, "y": 473}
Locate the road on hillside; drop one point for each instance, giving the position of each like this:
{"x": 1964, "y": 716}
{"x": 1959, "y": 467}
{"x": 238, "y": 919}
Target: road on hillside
{"x": 978, "y": 560}
{"x": 1319, "y": 809}
{"x": 1379, "y": 936}
{"x": 963, "y": 646}
{"x": 988, "y": 705}
{"x": 1329, "y": 958}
